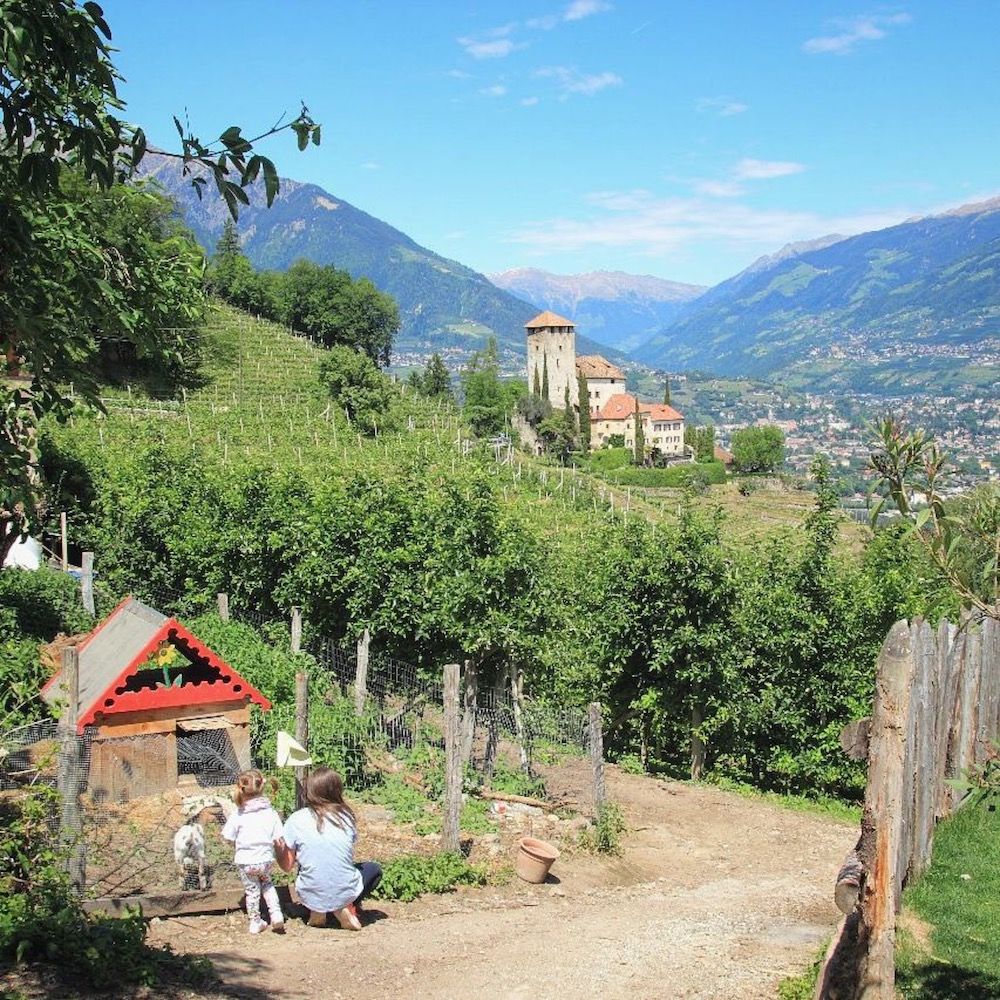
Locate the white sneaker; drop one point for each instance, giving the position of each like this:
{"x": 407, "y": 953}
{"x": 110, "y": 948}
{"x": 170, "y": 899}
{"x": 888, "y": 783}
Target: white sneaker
{"x": 257, "y": 925}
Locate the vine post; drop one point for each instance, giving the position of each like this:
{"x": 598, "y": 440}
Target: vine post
{"x": 69, "y": 772}
{"x": 296, "y": 637}
{"x": 453, "y": 760}
{"x": 223, "y": 600}
{"x": 361, "y": 675}
{"x": 597, "y": 755}
{"x": 301, "y": 734}
{"x": 87, "y": 582}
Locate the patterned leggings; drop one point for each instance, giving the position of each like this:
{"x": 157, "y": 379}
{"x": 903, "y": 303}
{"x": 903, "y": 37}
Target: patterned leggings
{"x": 257, "y": 882}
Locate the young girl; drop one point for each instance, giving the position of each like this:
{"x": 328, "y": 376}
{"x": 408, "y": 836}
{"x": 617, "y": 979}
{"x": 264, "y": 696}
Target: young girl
{"x": 320, "y": 839}
{"x": 254, "y": 828}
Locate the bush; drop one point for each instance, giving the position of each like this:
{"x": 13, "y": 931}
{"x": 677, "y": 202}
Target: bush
{"x": 675, "y": 476}
{"x": 40, "y": 604}
{"x": 609, "y": 459}
{"x": 41, "y": 919}
{"x": 411, "y": 875}
{"x": 605, "y": 836}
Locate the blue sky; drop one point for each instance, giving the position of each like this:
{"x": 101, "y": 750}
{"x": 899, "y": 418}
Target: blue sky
{"x": 678, "y": 139}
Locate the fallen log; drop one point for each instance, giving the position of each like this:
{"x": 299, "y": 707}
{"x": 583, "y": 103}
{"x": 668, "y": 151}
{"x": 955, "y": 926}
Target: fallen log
{"x": 524, "y": 800}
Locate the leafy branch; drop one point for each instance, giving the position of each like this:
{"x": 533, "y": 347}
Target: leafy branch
{"x": 962, "y": 537}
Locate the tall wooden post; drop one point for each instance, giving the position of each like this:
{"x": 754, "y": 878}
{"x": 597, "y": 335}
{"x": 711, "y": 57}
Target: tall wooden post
{"x": 69, "y": 779}
{"x": 301, "y": 734}
{"x": 223, "y": 600}
{"x": 697, "y": 745}
{"x": 87, "y": 582}
{"x": 453, "y": 761}
{"x": 63, "y": 534}
{"x": 296, "y": 630}
{"x": 361, "y": 675}
{"x": 470, "y": 697}
{"x": 517, "y": 696}
{"x": 597, "y": 755}
{"x": 882, "y": 823}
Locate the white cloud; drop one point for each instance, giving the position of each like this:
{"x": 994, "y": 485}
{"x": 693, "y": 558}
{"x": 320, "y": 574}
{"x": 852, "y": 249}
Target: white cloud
{"x": 459, "y": 74}
{"x": 579, "y": 9}
{"x": 759, "y": 170}
{"x": 497, "y": 90}
{"x": 527, "y": 102}
{"x": 572, "y": 81}
{"x": 719, "y": 189}
{"x": 866, "y": 28}
{"x": 724, "y": 107}
{"x": 493, "y": 44}
{"x": 458, "y": 234}
{"x": 643, "y": 223}
{"x": 370, "y": 165}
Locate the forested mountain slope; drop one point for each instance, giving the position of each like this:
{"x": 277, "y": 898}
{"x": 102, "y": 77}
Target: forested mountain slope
{"x": 927, "y": 283}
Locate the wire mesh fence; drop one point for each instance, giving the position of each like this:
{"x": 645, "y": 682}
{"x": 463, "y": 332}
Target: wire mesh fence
{"x": 382, "y": 727}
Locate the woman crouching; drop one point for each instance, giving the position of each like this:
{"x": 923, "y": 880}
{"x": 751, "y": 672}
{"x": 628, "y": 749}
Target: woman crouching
{"x": 320, "y": 838}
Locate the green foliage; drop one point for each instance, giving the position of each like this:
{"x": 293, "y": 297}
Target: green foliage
{"x": 516, "y": 782}
{"x": 676, "y": 476}
{"x": 962, "y": 536}
{"x": 486, "y": 404}
{"x": 758, "y": 449}
{"x": 666, "y": 391}
{"x": 42, "y": 920}
{"x": 701, "y": 440}
{"x": 609, "y": 460}
{"x": 534, "y": 409}
{"x": 411, "y": 875}
{"x": 630, "y": 763}
{"x": 72, "y": 277}
{"x": 584, "y": 412}
{"x": 436, "y": 380}
{"x": 605, "y": 835}
{"x": 355, "y": 383}
{"x": 640, "y": 438}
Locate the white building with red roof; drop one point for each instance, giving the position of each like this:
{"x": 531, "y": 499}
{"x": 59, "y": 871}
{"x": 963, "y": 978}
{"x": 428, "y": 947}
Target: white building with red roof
{"x": 662, "y": 425}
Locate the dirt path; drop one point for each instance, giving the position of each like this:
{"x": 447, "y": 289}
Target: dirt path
{"x": 716, "y": 896}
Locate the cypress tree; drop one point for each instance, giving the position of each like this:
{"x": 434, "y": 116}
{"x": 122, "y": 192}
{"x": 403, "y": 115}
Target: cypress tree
{"x": 229, "y": 241}
{"x": 536, "y": 386}
{"x": 666, "y": 390}
{"x": 584, "y": 414}
{"x": 545, "y": 376}
{"x": 640, "y": 438}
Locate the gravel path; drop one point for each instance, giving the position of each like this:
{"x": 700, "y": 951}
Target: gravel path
{"x": 716, "y": 896}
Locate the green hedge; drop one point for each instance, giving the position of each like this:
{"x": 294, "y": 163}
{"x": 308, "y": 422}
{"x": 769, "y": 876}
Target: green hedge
{"x": 704, "y": 473}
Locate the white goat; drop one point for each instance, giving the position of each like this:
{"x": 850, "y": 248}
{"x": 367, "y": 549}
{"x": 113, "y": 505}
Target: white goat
{"x": 189, "y": 851}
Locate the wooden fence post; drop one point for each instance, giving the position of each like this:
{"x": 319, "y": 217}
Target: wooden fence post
{"x": 69, "y": 778}
{"x": 87, "y": 582}
{"x": 597, "y": 756}
{"x": 697, "y": 745}
{"x": 223, "y": 600}
{"x": 64, "y": 536}
{"x": 882, "y": 824}
{"x": 301, "y": 734}
{"x": 470, "y": 697}
{"x": 361, "y": 675}
{"x": 453, "y": 761}
{"x": 517, "y": 697}
{"x": 296, "y": 631}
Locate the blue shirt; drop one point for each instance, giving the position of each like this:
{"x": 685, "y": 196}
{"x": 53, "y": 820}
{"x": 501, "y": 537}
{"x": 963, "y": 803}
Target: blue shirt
{"x": 327, "y": 877}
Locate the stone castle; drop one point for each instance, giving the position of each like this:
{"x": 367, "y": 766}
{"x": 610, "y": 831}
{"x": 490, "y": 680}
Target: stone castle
{"x": 555, "y": 372}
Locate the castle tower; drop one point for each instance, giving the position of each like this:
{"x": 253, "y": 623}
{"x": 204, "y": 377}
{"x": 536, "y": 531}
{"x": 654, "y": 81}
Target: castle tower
{"x": 552, "y": 350}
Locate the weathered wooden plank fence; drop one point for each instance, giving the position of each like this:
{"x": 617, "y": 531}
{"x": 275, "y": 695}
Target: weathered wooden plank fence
{"x": 937, "y": 707}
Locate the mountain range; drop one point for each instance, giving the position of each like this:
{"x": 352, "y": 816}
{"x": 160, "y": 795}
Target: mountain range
{"x": 929, "y": 286}
{"x": 442, "y": 303}
{"x": 916, "y": 302}
{"x": 620, "y": 310}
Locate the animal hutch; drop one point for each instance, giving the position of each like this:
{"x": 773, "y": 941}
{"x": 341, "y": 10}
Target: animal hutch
{"x": 155, "y": 704}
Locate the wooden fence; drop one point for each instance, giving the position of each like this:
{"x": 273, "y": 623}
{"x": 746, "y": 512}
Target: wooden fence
{"x": 936, "y": 710}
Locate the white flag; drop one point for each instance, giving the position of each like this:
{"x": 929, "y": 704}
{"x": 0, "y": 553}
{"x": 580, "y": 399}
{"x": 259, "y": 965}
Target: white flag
{"x": 291, "y": 753}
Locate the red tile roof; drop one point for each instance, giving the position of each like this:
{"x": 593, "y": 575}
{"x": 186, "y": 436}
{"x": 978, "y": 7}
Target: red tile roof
{"x": 622, "y": 405}
{"x": 547, "y": 318}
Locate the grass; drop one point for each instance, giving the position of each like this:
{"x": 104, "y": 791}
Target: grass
{"x": 825, "y": 806}
{"x": 957, "y": 901}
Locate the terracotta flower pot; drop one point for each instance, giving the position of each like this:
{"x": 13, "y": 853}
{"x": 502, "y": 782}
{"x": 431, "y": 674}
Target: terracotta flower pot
{"x": 534, "y": 859}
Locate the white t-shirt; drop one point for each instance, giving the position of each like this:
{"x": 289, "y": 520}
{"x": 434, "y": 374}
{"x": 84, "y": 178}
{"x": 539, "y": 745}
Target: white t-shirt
{"x": 254, "y": 828}
{"x": 327, "y": 877}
